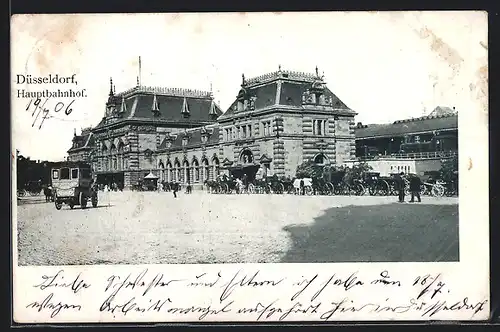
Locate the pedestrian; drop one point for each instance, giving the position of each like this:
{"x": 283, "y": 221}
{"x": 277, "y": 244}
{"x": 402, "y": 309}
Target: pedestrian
{"x": 400, "y": 187}
{"x": 302, "y": 188}
{"x": 175, "y": 189}
{"x": 415, "y": 187}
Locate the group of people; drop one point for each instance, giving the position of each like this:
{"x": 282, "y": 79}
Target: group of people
{"x": 415, "y": 187}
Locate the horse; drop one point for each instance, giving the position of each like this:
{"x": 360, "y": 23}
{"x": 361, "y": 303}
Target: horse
{"x": 47, "y": 191}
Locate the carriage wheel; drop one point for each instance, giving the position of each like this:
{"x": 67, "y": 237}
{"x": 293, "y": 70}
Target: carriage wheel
{"x": 71, "y": 205}
{"x": 225, "y": 189}
{"x": 251, "y": 188}
{"x": 360, "y": 190}
{"x": 330, "y": 189}
{"x": 438, "y": 190}
{"x": 281, "y": 188}
{"x": 385, "y": 188}
{"x": 58, "y": 204}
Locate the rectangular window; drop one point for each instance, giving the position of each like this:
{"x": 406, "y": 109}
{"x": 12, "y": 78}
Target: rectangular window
{"x": 270, "y": 127}
{"x": 74, "y": 173}
{"x": 250, "y": 130}
{"x": 55, "y": 174}
{"x": 244, "y": 131}
{"x": 319, "y": 127}
{"x": 64, "y": 174}
{"x": 417, "y": 139}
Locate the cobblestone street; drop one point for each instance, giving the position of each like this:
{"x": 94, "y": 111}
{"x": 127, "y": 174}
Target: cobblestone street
{"x": 150, "y": 227}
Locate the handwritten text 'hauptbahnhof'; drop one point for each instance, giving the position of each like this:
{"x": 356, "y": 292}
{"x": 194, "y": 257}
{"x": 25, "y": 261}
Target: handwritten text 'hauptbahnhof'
{"x": 29, "y": 80}
{"x": 313, "y": 297}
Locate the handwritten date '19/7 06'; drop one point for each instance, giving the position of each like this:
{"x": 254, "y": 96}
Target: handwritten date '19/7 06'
{"x": 38, "y": 108}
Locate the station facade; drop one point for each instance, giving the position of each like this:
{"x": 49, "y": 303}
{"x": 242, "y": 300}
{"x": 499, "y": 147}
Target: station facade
{"x": 276, "y": 122}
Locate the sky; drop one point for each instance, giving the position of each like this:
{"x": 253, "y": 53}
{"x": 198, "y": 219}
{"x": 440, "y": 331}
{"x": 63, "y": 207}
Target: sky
{"x": 385, "y": 66}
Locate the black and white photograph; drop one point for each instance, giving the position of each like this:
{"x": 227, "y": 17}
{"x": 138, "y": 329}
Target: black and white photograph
{"x": 248, "y": 138}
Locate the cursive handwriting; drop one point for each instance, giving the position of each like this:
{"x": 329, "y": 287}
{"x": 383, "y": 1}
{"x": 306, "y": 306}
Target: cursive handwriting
{"x": 349, "y": 283}
{"x": 246, "y": 281}
{"x": 110, "y": 305}
{"x": 39, "y": 108}
{"x": 56, "y": 308}
{"x": 385, "y": 279}
{"x": 56, "y": 280}
{"x": 204, "y": 283}
{"x": 115, "y": 283}
{"x": 432, "y": 285}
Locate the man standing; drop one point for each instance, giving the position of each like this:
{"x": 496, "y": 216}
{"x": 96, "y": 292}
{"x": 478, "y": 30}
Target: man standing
{"x": 415, "y": 186}
{"x": 400, "y": 187}
{"x": 175, "y": 185}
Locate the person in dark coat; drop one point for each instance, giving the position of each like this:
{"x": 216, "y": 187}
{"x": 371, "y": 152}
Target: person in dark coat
{"x": 176, "y": 188}
{"x": 400, "y": 186}
{"x": 415, "y": 187}
{"x": 302, "y": 188}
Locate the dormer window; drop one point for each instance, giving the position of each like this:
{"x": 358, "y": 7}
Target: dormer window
{"x": 204, "y": 138}
{"x": 185, "y": 109}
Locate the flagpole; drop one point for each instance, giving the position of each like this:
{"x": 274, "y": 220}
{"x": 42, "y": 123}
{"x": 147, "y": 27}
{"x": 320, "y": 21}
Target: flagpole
{"x": 140, "y": 78}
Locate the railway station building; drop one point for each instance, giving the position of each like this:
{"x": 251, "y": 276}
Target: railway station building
{"x": 276, "y": 121}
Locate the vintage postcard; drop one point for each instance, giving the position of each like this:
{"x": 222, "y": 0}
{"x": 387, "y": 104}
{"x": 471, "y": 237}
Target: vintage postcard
{"x": 250, "y": 167}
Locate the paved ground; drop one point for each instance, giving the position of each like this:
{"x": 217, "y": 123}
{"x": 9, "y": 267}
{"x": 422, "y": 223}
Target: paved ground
{"x": 148, "y": 228}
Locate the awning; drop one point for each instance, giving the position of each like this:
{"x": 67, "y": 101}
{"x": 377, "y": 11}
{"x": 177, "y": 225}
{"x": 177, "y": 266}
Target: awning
{"x": 151, "y": 176}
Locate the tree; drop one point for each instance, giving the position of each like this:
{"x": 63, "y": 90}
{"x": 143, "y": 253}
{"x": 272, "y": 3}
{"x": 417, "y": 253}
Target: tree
{"x": 449, "y": 169}
{"x": 309, "y": 169}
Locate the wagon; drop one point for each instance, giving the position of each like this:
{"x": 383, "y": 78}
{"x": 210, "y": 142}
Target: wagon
{"x": 377, "y": 186}
{"x": 73, "y": 185}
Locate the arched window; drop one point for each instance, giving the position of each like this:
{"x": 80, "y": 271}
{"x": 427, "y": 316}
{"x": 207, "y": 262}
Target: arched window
{"x": 187, "y": 173}
{"x": 104, "y": 158}
{"x": 177, "y": 171}
{"x": 320, "y": 159}
{"x": 121, "y": 157}
{"x": 112, "y": 151}
{"x": 170, "y": 172}
{"x": 161, "y": 166}
{"x": 216, "y": 168}
{"x": 206, "y": 169}
{"x": 246, "y": 157}
{"x": 196, "y": 169}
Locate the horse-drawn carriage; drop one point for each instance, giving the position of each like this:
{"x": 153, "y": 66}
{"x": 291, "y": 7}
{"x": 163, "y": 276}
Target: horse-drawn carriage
{"x": 73, "y": 185}
{"x": 377, "y": 185}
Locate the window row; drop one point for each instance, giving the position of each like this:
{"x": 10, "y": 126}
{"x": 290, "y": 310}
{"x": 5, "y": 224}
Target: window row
{"x": 193, "y": 174}
{"x": 320, "y": 127}
{"x": 113, "y": 163}
{"x": 238, "y": 132}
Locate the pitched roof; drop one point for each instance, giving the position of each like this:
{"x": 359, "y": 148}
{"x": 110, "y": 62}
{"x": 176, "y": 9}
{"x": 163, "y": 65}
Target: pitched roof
{"x": 442, "y": 110}
{"x": 86, "y": 140}
{"x": 141, "y": 101}
{"x": 409, "y": 126}
{"x": 293, "y": 85}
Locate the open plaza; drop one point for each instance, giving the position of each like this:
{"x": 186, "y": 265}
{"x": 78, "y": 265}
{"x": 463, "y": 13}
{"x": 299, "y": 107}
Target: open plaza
{"x": 156, "y": 228}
